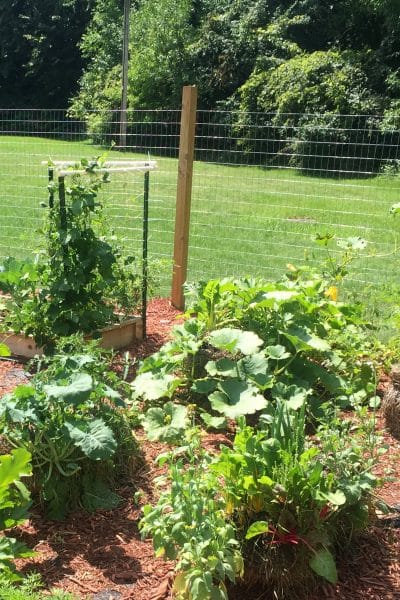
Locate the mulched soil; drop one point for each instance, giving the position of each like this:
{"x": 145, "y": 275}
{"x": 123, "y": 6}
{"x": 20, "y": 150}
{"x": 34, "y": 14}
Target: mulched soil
{"x": 101, "y": 556}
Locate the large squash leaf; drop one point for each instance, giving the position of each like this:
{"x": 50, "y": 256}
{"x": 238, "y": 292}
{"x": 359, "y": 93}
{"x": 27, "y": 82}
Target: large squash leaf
{"x": 235, "y": 340}
{"x": 236, "y": 398}
{"x": 323, "y": 564}
{"x": 153, "y": 386}
{"x": 166, "y": 424}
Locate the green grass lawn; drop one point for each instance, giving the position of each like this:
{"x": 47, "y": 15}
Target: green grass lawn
{"x": 245, "y": 220}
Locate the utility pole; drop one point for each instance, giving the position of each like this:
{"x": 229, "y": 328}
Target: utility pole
{"x": 125, "y": 65}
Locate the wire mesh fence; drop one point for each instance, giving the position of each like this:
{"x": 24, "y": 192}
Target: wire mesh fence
{"x": 264, "y": 186}
{"x": 29, "y": 137}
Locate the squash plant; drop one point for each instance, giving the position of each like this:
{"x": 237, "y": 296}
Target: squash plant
{"x": 250, "y": 342}
{"x": 81, "y": 282}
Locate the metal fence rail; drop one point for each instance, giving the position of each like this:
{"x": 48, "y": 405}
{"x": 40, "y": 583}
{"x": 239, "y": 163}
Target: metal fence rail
{"x": 264, "y": 186}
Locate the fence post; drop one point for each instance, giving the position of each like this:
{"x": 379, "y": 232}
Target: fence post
{"x": 184, "y": 194}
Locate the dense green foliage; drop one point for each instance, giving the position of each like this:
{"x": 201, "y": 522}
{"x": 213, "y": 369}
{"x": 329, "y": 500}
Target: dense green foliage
{"x": 288, "y": 68}
{"x": 251, "y": 344}
{"x": 296, "y": 64}
{"x": 82, "y": 282}
{"x": 40, "y": 59}
{"x": 240, "y": 53}
{"x": 272, "y": 507}
{"x": 243, "y": 53}
{"x": 72, "y": 422}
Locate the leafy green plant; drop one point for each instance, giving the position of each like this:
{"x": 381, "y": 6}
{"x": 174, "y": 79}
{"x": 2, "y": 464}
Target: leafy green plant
{"x": 13, "y": 270}
{"x": 29, "y": 588}
{"x": 188, "y": 524}
{"x": 81, "y": 282}
{"x": 273, "y": 507}
{"x": 337, "y": 262}
{"x": 72, "y": 423}
{"x": 294, "y": 496}
{"x": 283, "y": 336}
{"x": 14, "y": 504}
{"x": 166, "y": 423}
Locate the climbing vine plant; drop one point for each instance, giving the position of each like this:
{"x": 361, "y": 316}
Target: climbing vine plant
{"x": 81, "y": 282}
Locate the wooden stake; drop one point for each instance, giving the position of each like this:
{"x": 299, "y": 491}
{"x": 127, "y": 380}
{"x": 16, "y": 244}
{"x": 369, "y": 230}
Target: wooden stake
{"x": 184, "y": 194}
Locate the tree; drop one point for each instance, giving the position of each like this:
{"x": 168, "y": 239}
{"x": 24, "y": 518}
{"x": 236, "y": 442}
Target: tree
{"x": 40, "y": 59}
{"x": 101, "y": 47}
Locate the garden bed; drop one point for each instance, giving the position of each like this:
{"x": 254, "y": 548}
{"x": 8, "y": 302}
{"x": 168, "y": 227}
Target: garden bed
{"x": 102, "y": 557}
{"x": 116, "y": 336}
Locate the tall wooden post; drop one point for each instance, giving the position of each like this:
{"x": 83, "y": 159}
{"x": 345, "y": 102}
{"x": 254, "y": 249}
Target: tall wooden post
{"x": 184, "y": 194}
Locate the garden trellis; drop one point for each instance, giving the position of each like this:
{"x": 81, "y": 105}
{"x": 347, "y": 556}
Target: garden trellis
{"x": 61, "y": 169}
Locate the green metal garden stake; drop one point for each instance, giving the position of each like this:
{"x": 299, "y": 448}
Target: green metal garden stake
{"x": 63, "y": 214}
{"x": 144, "y": 255}
{"x": 51, "y": 190}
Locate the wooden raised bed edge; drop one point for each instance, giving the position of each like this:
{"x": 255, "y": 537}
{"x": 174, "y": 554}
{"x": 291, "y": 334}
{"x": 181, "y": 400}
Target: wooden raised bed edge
{"x": 118, "y": 335}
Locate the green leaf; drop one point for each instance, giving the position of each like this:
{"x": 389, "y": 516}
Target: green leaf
{"x": 337, "y": 498}
{"x": 94, "y": 438}
{"x": 224, "y": 366}
{"x": 23, "y": 392}
{"x": 323, "y": 564}
{"x": 277, "y": 352}
{"x": 4, "y": 350}
{"x": 304, "y": 340}
{"x": 153, "y": 386}
{"x": 251, "y": 366}
{"x": 77, "y": 392}
{"x": 293, "y": 395}
{"x": 236, "y": 398}
{"x": 235, "y": 340}
{"x": 214, "y": 422}
{"x": 204, "y": 386}
{"x": 166, "y": 424}
{"x": 98, "y": 495}
{"x": 264, "y": 381}
{"x": 374, "y": 402}
{"x": 256, "y": 528}
{"x": 13, "y": 466}
{"x": 395, "y": 209}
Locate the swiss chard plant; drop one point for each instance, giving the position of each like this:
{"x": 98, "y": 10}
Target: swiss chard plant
{"x": 273, "y": 507}
{"x": 293, "y": 498}
{"x": 73, "y": 424}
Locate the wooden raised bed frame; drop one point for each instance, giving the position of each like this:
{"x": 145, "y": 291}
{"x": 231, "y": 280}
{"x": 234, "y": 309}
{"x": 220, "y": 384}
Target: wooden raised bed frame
{"x": 118, "y": 335}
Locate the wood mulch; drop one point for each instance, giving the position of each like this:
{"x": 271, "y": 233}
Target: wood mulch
{"x": 101, "y": 556}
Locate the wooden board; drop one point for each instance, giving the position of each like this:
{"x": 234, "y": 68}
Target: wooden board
{"x": 115, "y": 336}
